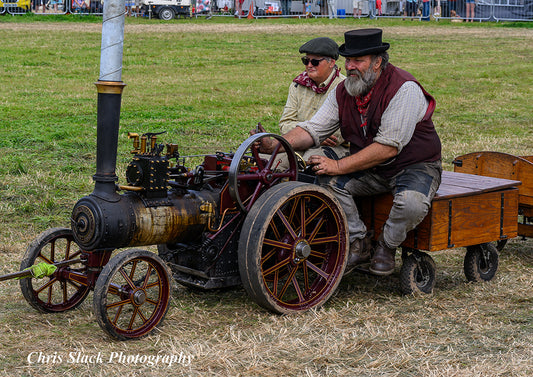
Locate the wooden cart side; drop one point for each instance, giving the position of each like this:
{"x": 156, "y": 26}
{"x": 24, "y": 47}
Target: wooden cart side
{"x": 467, "y": 210}
{"x": 500, "y": 165}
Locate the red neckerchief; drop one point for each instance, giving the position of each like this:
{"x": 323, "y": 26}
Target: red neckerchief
{"x": 362, "y": 107}
{"x": 303, "y": 79}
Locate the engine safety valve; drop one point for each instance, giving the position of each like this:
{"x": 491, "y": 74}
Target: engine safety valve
{"x": 143, "y": 144}
{"x": 152, "y": 137}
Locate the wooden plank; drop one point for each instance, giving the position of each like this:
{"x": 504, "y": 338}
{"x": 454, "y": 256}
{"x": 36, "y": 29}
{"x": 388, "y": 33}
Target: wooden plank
{"x": 477, "y": 182}
{"x": 525, "y": 210}
{"x": 459, "y": 184}
{"x": 447, "y": 191}
{"x": 474, "y": 219}
{"x": 525, "y": 201}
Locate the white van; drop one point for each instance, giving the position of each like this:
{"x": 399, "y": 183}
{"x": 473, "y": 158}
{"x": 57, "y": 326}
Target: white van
{"x": 166, "y": 9}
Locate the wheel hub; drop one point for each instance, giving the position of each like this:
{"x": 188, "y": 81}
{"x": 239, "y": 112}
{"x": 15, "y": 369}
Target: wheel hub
{"x": 139, "y": 297}
{"x": 302, "y": 249}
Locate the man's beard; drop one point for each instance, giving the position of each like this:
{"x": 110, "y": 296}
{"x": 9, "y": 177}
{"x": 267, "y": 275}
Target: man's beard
{"x": 360, "y": 84}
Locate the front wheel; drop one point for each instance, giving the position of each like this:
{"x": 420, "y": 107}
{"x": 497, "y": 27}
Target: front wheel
{"x": 61, "y": 291}
{"x": 481, "y": 262}
{"x": 132, "y": 294}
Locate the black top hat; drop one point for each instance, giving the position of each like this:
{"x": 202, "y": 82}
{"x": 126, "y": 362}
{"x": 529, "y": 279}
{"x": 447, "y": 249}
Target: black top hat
{"x": 363, "y": 42}
{"x": 321, "y": 46}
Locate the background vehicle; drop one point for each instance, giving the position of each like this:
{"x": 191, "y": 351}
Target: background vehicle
{"x": 14, "y": 6}
{"x": 166, "y": 9}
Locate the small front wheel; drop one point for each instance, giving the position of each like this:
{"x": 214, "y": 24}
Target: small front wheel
{"x": 61, "y": 291}
{"x": 481, "y": 262}
{"x": 417, "y": 274}
{"x": 132, "y": 294}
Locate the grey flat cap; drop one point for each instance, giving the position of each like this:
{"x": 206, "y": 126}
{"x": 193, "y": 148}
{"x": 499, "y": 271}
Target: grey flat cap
{"x": 322, "y": 46}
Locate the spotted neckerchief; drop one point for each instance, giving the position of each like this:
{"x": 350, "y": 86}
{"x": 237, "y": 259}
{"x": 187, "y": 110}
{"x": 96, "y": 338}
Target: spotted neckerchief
{"x": 305, "y": 80}
{"x": 362, "y": 107}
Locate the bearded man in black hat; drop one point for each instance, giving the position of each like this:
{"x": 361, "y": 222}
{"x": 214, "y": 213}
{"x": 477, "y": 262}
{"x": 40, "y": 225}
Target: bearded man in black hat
{"x": 385, "y": 115}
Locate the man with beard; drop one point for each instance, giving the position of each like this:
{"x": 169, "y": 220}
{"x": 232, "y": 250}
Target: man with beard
{"x": 385, "y": 115}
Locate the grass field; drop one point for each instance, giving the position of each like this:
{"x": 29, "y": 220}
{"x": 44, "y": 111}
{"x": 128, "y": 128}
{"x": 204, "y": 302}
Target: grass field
{"x": 207, "y": 83}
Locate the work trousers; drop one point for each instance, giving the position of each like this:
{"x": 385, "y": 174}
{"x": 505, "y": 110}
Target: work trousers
{"x": 413, "y": 189}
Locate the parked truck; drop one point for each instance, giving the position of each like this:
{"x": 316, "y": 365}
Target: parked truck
{"x": 166, "y": 9}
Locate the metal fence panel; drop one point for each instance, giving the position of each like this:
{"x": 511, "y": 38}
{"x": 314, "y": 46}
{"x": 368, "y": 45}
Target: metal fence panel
{"x": 455, "y": 10}
{"x": 49, "y": 6}
{"x": 510, "y": 10}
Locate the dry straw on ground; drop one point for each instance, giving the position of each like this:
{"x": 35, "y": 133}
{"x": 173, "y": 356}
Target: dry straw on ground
{"x": 366, "y": 329}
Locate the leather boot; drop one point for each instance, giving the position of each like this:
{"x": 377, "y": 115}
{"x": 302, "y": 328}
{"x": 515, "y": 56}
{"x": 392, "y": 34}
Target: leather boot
{"x": 382, "y": 262}
{"x": 360, "y": 252}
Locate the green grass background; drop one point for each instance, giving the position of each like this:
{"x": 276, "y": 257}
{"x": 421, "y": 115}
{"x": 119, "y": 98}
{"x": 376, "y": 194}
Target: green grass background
{"x": 207, "y": 89}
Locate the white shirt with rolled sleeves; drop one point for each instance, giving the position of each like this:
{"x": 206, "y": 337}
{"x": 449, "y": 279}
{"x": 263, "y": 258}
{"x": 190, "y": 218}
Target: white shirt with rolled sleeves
{"x": 398, "y": 122}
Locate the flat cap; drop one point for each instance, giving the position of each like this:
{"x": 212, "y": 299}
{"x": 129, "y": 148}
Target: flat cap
{"x": 322, "y": 46}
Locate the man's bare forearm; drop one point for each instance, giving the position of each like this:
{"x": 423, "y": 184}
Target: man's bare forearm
{"x": 298, "y": 138}
{"x": 366, "y": 158}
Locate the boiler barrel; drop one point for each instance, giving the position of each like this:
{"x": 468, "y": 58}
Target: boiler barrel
{"x": 132, "y": 221}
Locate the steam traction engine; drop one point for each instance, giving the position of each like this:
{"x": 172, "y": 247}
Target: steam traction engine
{"x": 232, "y": 219}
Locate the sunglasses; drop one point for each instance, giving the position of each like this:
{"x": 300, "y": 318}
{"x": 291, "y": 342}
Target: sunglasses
{"x": 314, "y": 62}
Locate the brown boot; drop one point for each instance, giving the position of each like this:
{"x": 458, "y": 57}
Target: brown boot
{"x": 382, "y": 262}
{"x": 360, "y": 252}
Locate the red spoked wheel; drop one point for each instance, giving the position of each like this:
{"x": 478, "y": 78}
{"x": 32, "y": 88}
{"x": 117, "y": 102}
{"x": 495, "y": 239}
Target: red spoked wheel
{"x": 293, "y": 247}
{"x": 250, "y": 175}
{"x": 63, "y": 290}
{"x": 132, "y": 294}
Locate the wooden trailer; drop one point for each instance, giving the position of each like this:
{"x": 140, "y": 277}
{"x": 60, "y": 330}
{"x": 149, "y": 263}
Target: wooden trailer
{"x": 468, "y": 211}
{"x": 507, "y": 166}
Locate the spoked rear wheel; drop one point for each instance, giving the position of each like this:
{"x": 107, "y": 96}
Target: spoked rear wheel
{"x": 60, "y": 291}
{"x": 293, "y": 247}
{"x": 132, "y": 294}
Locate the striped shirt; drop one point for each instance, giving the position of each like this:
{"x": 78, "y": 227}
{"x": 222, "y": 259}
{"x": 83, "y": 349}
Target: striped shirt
{"x": 398, "y": 122}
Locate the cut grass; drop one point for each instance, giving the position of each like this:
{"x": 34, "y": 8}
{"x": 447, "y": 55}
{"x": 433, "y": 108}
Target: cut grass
{"x": 207, "y": 84}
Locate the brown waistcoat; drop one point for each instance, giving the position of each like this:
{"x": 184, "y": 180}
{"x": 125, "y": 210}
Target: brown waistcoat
{"x": 424, "y": 145}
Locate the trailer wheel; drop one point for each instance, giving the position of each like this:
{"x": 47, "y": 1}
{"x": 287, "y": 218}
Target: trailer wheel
{"x": 417, "y": 274}
{"x": 132, "y": 294}
{"x": 481, "y": 262}
{"x": 250, "y": 175}
{"x": 166, "y": 13}
{"x": 58, "y": 292}
{"x": 293, "y": 247}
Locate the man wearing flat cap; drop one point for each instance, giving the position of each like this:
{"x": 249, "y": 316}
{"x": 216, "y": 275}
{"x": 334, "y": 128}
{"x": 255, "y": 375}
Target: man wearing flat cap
{"x": 385, "y": 115}
{"x": 308, "y": 91}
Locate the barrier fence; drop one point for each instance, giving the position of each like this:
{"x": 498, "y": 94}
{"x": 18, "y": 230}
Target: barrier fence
{"x": 422, "y": 10}
{"x": 51, "y": 7}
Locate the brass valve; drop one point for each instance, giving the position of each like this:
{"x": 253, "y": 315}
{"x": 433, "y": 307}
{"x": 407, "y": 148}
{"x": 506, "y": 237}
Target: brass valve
{"x": 135, "y": 137}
